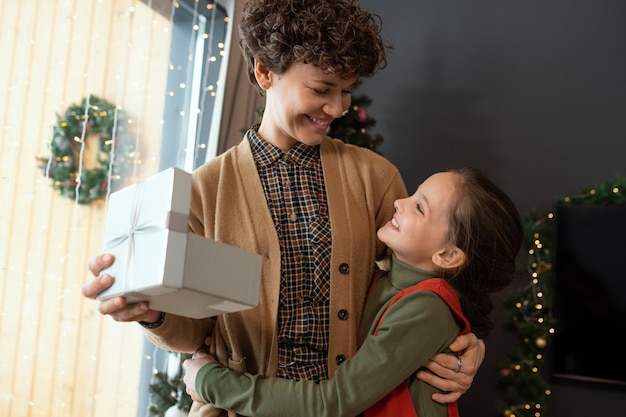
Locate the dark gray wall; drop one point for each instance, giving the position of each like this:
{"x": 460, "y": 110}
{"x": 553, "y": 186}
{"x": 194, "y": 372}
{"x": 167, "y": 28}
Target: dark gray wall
{"x": 534, "y": 93}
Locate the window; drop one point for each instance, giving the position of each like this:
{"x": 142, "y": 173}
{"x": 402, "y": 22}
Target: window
{"x": 199, "y": 30}
{"x": 58, "y": 349}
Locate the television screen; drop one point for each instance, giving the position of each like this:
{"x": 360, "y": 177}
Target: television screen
{"x": 590, "y": 293}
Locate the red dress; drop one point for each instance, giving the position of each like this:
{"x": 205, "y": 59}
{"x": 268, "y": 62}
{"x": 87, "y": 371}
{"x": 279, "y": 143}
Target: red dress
{"x": 398, "y": 402}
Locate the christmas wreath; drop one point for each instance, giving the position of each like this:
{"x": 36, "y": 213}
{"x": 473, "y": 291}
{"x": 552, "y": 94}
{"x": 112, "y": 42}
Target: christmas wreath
{"x": 531, "y": 316}
{"x": 87, "y": 140}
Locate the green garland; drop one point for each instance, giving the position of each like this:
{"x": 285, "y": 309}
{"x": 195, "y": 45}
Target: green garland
{"x": 92, "y": 116}
{"x": 526, "y": 391}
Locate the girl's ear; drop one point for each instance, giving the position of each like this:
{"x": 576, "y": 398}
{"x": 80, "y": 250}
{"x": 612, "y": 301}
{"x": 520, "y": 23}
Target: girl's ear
{"x": 449, "y": 258}
{"x": 262, "y": 75}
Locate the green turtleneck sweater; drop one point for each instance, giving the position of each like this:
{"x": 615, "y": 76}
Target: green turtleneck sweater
{"x": 416, "y": 327}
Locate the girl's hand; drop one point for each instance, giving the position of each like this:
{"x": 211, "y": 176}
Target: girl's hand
{"x": 191, "y": 367}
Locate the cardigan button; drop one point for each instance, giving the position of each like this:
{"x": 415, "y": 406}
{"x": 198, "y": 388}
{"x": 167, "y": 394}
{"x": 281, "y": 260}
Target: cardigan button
{"x": 344, "y": 268}
{"x": 340, "y": 359}
{"x": 342, "y": 314}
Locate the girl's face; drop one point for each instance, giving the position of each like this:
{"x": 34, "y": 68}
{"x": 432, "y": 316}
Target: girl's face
{"x": 418, "y": 230}
{"x": 300, "y": 104}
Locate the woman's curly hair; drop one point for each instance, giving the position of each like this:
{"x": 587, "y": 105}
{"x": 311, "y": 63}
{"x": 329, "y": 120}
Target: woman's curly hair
{"x": 334, "y": 35}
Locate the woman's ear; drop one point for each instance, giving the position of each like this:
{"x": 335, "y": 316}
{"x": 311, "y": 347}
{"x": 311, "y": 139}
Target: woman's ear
{"x": 262, "y": 75}
{"x": 449, "y": 258}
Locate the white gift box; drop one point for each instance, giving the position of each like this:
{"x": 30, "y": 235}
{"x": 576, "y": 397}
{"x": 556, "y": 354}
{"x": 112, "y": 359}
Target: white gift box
{"x": 158, "y": 260}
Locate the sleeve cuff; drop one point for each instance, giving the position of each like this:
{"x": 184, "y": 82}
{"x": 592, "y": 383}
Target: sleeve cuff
{"x": 155, "y": 324}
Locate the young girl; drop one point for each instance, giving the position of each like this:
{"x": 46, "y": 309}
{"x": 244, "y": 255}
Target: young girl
{"x": 459, "y": 235}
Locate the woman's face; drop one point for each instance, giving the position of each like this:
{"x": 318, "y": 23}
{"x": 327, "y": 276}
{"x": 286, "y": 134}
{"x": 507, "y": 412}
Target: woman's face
{"x": 300, "y": 104}
{"x": 418, "y": 230}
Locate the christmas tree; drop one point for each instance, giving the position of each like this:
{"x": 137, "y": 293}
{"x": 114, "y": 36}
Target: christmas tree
{"x": 526, "y": 391}
{"x": 168, "y": 395}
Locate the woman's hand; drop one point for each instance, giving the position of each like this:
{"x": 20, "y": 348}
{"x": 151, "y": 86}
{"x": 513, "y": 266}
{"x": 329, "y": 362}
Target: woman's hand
{"x": 115, "y": 307}
{"x": 454, "y": 374}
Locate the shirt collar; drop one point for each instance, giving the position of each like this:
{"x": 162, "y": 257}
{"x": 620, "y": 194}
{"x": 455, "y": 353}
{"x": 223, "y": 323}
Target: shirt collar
{"x": 266, "y": 154}
{"x": 403, "y": 275}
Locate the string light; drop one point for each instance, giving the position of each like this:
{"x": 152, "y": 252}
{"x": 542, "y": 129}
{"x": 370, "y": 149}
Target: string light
{"x": 536, "y": 326}
{"x": 127, "y": 22}
{"x": 42, "y": 284}
{"x": 33, "y": 280}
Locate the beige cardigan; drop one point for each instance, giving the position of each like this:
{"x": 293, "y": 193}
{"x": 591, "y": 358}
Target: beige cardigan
{"x": 228, "y": 205}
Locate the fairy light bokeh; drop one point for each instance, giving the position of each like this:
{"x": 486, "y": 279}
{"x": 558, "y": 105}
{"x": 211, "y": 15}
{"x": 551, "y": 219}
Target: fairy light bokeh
{"x": 60, "y": 356}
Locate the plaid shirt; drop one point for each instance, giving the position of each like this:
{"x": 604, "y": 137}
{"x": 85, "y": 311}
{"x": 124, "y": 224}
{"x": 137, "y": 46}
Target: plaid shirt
{"x": 293, "y": 183}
